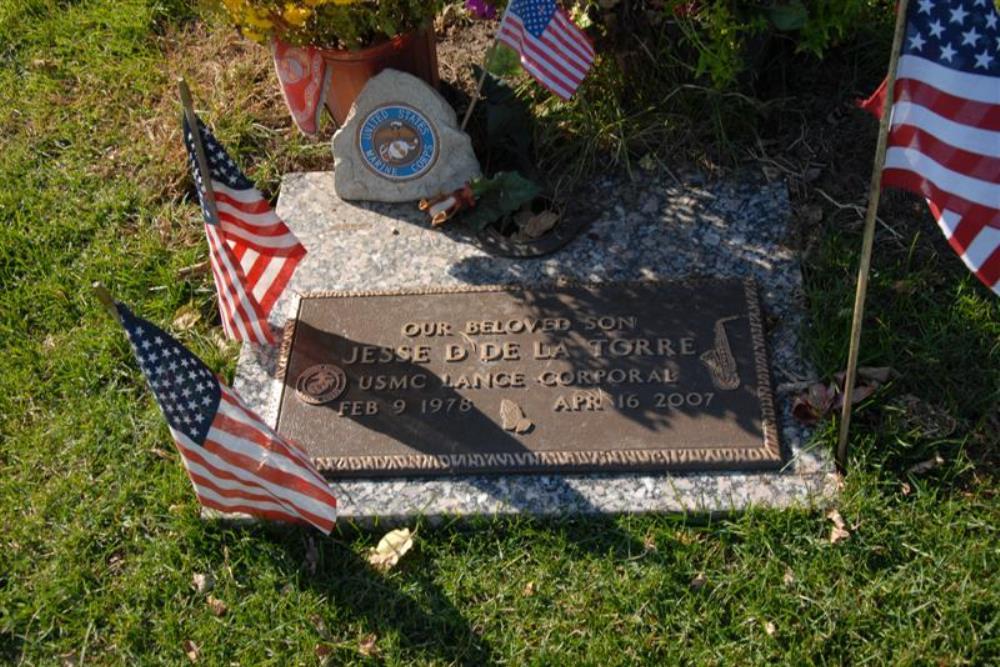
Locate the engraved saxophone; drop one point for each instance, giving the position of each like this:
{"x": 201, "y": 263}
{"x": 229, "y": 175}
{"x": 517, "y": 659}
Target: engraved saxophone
{"x": 720, "y": 360}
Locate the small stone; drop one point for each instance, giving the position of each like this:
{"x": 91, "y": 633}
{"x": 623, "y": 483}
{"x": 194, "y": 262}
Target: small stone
{"x": 401, "y": 142}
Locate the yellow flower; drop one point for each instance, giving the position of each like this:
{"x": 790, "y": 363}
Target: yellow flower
{"x": 296, "y": 15}
{"x": 252, "y": 35}
{"x": 258, "y": 18}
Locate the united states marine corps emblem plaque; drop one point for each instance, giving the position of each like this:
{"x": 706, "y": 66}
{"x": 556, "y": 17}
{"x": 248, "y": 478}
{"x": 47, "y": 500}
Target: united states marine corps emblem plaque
{"x": 398, "y": 143}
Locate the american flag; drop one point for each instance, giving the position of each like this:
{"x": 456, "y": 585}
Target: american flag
{"x": 552, "y": 48}
{"x": 252, "y": 252}
{"x": 236, "y": 462}
{"x": 944, "y": 141}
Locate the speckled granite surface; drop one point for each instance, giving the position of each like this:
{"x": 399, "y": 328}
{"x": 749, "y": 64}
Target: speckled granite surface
{"x": 658, "y": 230}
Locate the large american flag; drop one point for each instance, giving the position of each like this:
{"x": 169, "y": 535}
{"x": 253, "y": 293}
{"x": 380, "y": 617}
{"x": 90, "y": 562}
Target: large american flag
{"x": 944, "y": 141}
{"x": 253, "y": 253}
{"x": 236, "y": 462}
{"x": 553, "y": 50}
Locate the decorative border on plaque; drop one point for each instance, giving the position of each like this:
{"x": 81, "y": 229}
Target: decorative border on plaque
{"x": 770, "y": 452}
{"x": 603, "y": 458}
{"x": 765, "y": 394}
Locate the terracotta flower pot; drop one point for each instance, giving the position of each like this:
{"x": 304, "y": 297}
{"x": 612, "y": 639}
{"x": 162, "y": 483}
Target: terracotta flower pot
{"x": 414, "y": 52}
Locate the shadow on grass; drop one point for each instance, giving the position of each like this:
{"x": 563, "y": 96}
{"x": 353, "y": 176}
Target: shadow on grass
{"x": 409, "y": 608}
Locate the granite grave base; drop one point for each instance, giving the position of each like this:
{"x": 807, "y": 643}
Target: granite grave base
{"x": 652, "y": 231}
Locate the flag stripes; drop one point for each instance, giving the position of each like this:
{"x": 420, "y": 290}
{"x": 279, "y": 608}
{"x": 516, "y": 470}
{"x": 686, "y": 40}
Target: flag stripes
{"x": 236, "y": 462}
{"x": 944, "y": 136}
{"x": 253, "y": 253}
{"x": 553, "y": 50}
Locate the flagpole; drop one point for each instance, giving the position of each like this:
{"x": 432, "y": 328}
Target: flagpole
{"x": 199, "y": 148}
{"x": 477, "y": 95}
{"x": 868, "y": 241}
{"x": 104, "y": 296}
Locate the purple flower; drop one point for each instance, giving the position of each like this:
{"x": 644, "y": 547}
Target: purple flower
{"x": 481, "y": 9}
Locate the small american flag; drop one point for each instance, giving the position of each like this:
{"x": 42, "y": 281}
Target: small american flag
{"x": 253, "y": 253}
{"x": 552, "y": 48}
{"x": 236, "y": 462}
{"x": 944, "y": 141}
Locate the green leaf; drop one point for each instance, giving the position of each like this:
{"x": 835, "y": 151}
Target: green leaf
{"x": 510, "y": 127}
{"x": 502, "y": 61}
{"x": 496, "y": 197}
{"x": 789, "y": 16}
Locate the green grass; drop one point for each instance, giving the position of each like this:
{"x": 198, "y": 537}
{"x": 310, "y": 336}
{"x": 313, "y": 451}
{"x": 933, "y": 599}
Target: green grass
{"x": 100, "y": 532}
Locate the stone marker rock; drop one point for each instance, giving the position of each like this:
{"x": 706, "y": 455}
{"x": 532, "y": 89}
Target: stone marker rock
{"x": 401, "y": 142}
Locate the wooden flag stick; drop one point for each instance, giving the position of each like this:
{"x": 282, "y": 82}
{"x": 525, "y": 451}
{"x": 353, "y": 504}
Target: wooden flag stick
{"x": 478, "y": 94}
{"x": 199, "y": 149}
{"x": 104, "y": 296}
{"x": 874, "y": 192}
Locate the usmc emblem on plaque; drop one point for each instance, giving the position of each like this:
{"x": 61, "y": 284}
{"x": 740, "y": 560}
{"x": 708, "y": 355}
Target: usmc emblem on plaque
{"x": 320, "y": 384}
{"x": 398, "y": 143}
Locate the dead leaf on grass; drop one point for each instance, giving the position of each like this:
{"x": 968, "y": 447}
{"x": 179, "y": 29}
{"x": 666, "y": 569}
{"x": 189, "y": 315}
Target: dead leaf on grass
{"x": 528, "y": 590}
{"x": 925, "y": 466}
{"x": 186, "y": 317}
{"x": 770, "y": 628}
{"x": 217, "y": 606}
{"x": 789, "y": 577}
{"x": 820, "y": 400}
{"x": 202, "y": 583}
{"x": 839, "y": 531}
{"x": 160, "y": 453}
{"x": 191, "y": 650}
{"x": 698, "y": 582}
{"x": 390, "y": 549}
{"x": 368, "y": 646}
{"x": 320, "y": 626}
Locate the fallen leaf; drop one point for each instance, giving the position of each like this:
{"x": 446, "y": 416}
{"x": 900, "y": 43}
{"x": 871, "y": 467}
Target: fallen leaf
{"x": 217, "y": 606}
{"x": 838, "y": 534}
{"x": 839, "y": 531}
{"x": 540, "y": 223}
{"x": 322, "y": 651}
{"x": 202, "y": 583}
{"x": 186, "y": 317}
{"x": 220, "y": 340}
{"x": 770, "y": 628}
{"x": 698, "y": 582}
{"x": 69, "y": 659}
{"x": 529, "y": 589}
{"x": 390, "y": 549}
{"x": 160, "y": 453}
{"x": 925, "y": 466}
{"x": 320, "y": 626}
{"x": 789, "y": 577}
{"x": 906, "y": 489}
{"x": 368, "y": 646}
{"x": 512, "y": 417}
{"x": 191, "y": 650}
{"x": 649, "y": 543}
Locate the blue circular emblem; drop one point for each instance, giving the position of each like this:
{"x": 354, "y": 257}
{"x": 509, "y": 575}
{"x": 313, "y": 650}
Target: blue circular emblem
{"x": 398, "y": 143}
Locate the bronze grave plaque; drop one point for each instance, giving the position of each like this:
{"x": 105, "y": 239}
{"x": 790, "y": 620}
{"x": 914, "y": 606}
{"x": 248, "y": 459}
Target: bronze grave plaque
{"x": 601, "y": 377}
